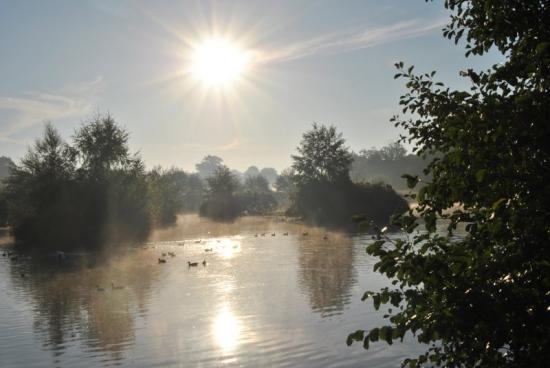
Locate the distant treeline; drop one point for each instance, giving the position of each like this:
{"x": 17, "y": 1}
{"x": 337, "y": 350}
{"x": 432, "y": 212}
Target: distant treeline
{"x": 93, "y": 190}
{"x": 386, "y": 165}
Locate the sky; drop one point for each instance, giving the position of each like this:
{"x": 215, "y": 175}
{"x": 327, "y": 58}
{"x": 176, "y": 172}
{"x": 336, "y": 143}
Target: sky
{"x": 329, "y": 62}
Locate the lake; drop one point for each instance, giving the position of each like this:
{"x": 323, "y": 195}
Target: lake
{"x": 273, "y": 301}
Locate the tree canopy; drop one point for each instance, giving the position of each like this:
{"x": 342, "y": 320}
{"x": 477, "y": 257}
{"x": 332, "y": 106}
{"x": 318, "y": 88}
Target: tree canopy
{"x": 322, "y": 156}
{"x": 481, "y": 300}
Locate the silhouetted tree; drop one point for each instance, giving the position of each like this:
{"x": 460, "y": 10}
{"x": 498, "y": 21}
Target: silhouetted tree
{"x": 79, "y": 196}
{"x": 221, "y": 202}
{"x": 324, "y": 192}
{"x": 481, "y": 300}
{"x": 322, "y": 156}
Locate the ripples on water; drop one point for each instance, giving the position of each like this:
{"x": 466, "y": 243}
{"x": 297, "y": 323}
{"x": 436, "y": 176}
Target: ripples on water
{"x": 260, "y": 300}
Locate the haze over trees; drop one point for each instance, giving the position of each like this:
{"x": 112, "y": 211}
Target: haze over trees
{"x": 320, "y": 187}
{"x": 482, "y": 300}
{"x": 386, "y": 165}
{"x": 79, "y": 195}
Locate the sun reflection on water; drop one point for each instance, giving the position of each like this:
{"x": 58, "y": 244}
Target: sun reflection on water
{"x": 227, "y": 247}
{"x": 226, "y": 329}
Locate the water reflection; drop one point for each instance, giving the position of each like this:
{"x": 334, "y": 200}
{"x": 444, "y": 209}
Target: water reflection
{"x": 74, "y": 302}
{"x": 226, "y": 329}
{"x": 326, "y": 271}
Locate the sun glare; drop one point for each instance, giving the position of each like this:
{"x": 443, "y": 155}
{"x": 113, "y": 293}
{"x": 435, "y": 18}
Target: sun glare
{"x": 218, "y": 62}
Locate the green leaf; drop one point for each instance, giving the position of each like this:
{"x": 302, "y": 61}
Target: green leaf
{"x": 480, "y": 175}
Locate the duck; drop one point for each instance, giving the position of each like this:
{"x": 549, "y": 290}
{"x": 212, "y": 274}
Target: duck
{"x": 171, "y": 254}
{"x": 305, "y": 234}
{"x": 99, "y": 288}
{"x": 162, "y": 260}
{"x": 255, "y": 235}
{"x": 208, "y": 249}
{"x": 325, "y": 237}
{"x": 272, "y": 234}
{"x": 285, "y": 234}
{"x": 192, "y": 264}
{"x": 116, "y": 287}
{"x": 198, "y": 241}
{"x": 263, "y": 234}
{"x": 204, "y": 262}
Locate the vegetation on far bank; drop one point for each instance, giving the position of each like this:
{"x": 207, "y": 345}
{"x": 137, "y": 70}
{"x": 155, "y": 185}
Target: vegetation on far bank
{"x": 93, "y": 190}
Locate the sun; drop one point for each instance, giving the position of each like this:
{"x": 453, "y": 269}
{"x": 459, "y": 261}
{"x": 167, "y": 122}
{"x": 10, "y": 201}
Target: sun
{"x": 218, "y": 62}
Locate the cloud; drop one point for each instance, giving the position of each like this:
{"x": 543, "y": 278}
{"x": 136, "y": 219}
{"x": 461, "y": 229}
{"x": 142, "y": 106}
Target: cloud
{"x": 352, "y": 39}
{"x": 32, "y": 108}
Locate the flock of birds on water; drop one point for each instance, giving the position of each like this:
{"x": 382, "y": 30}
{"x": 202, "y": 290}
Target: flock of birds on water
{"x": 161, "y": 260}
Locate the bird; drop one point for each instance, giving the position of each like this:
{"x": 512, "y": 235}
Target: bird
{"x": 99, "y": 288}
{"x": 4, "y": 254}
{"x": 204, "y": 262}
{"x": 192, "y": 264}
{"x": 116, "y": 287}
{"x": 285, "y": 234}
{"x": 273, "y": 234}
{"x": 305, "y": 234}
{"x": 208, "y": 249}
{"x": 23, "y": 275}
{"x": 198, "y": 241}
{"x": 171, "y": 254}
{"x": 263, "y": 234}
{"x": 325, "y": 237}
{"x": 255, "y": 235}
{"x": 163, "y": 254}
{"x": 60, "y": 255}
{"x": 162, "y": 260}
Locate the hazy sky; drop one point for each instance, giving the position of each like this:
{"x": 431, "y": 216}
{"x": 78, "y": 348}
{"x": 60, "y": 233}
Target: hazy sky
{"x": 312, "y": 61}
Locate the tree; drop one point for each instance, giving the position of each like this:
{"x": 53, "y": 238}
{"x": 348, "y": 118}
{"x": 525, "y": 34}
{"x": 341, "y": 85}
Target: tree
{"x": 481, "y": 300}
{"x": 102, "y": 146}
{"x": 322, "y": 156}
{"x": 85, "y": 195}
{"x": 256, "y": 197}
{"x": 251, "y": 171}
{"x": 208, "y": 166}
{"x": 393, "y": 152}
{"x": 220, "y": 202}
{"x": 324, "y": 193}
{"x": 270, "y": 174}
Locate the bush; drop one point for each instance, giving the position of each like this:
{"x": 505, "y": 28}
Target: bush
{"x": 79, "y": 196}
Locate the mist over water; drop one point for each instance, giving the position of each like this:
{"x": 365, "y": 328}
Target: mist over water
{"x": 259, "y": 300}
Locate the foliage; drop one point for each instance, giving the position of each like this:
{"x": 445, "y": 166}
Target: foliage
{"x": 482, "y": 300}
{"x": 208, "y": 166}
{"x": 167, "y": 189}
{"x": 270, "y": 174}
{"x": 256, "y": 198}
{"x": 322, "y": 156}
{"x": 221, "y": 202}
{"x": 53, "y": 202}
{"x": 320, "y": 188}
{"x": 386, "y": 164}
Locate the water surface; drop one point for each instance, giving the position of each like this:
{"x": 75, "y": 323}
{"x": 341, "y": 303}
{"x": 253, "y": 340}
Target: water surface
{"x": 259, "y": 301}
